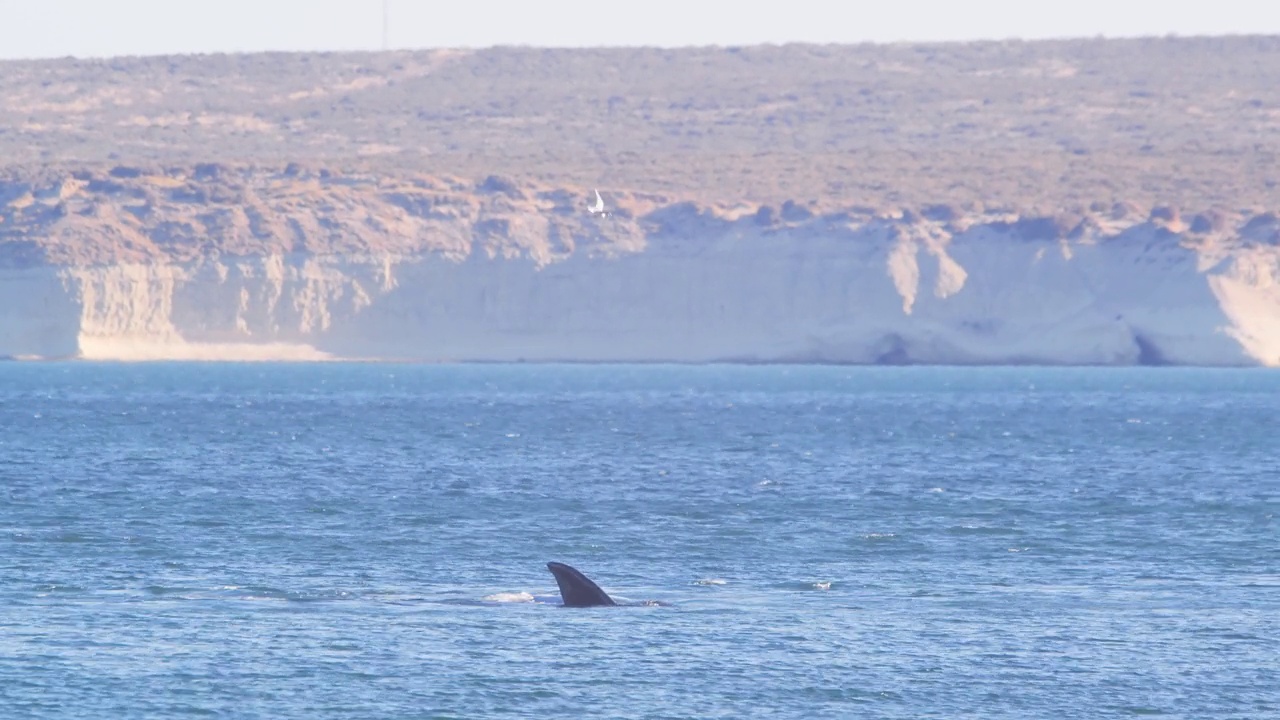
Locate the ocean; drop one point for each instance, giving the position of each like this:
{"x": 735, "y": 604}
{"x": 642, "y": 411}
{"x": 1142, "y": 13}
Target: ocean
{"x": 370, "y": 540}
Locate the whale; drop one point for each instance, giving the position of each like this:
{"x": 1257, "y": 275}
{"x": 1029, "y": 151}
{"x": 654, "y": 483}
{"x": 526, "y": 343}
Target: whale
{"x": 576, "y": 589}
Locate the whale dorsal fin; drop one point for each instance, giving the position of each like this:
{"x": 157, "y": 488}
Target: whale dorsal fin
{"x": 576, "y": 589}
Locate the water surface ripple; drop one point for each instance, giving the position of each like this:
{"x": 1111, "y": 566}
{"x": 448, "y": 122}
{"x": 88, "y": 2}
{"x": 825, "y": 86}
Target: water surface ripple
{"x": 346, "y": 540}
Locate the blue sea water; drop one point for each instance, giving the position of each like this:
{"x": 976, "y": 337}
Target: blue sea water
{"x": 369, "y": 541}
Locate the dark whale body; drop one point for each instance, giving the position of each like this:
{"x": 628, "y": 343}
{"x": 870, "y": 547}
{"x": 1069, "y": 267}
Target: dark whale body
{"x": 576, "y": 589}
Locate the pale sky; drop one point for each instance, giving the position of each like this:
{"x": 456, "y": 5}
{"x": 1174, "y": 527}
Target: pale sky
{"x": 97, "y": 28}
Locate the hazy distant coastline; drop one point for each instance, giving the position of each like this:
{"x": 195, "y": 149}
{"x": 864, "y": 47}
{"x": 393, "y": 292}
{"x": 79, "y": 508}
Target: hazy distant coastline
{"x": 1084, "y": 201}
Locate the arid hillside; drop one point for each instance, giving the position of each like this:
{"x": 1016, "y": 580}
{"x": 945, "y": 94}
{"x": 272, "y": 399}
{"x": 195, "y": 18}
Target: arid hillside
{"x": 1028, "y": 126}
{"x": 1073, "y": 202}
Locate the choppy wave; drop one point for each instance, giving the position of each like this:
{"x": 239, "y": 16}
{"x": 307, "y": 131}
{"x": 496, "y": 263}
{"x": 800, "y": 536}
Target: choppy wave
{"x": 509, "y": 597}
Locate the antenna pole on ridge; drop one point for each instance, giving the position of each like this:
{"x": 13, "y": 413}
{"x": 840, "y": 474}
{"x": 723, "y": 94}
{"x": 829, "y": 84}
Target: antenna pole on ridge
{"x": 386, "y": 11}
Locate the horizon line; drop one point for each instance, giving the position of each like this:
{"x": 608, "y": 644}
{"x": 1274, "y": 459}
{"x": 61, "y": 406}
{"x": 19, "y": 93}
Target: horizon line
{"x": 363, "y": 50}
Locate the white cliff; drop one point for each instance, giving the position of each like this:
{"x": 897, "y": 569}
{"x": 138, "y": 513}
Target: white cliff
{"x": 993, "y": 202}
{"x": 517, "y": 276}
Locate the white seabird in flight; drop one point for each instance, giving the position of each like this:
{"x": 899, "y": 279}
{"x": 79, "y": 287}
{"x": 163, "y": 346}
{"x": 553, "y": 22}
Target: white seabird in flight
{"x": 598, "y": 207}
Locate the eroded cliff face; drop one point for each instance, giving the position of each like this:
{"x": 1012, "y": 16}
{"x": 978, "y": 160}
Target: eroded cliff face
{"x": 246, "y": 263}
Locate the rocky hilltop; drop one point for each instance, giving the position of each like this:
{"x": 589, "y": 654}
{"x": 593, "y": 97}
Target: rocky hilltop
{"x": 1095, "y": 202}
